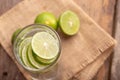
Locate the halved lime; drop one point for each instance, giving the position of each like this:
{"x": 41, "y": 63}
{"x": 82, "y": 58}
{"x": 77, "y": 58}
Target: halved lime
{"x": 47, "y": 18}
{"x": 32, "y": 59}
{"x": 25, "y": 57}
{"x": 45, "y": 45}
{"x": 69, "y": 23}
{"x": 26, "y": 41}
{"x": 15, "y": 35}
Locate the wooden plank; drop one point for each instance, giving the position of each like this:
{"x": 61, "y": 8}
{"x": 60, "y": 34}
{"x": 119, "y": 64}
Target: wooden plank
{"x": 115, "y": 71}
{"x": 97, "y": 16}
{"x": 8, "y": 69}
{"x": 102, "y": 11}
{"x": 101, "y": 40}
{"x": 7, "y": 4}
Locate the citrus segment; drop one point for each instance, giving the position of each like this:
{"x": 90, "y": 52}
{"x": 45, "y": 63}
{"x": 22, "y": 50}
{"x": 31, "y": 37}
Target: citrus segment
{"x": 45, "y": 45}
{"x": 32, "y": 59}
{"x": 25, "y": 57}
{"x": 44, "y": 61}
{"x": 26, "y": 41}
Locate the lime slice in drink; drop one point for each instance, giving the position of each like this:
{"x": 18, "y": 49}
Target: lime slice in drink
{"x": 25, "y": 57}
{"x": 26, "y": 41}
{"x": 45, "y": 45}
{"x": 69, "y": 23}
{"x": 47, "y": 18}
{"x": 44, "y": 61}
{"x": 32, "y": 59}
{"x": 15, "y": 35}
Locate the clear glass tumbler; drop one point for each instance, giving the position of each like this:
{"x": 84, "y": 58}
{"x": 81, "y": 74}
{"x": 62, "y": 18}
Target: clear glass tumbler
{"x": 51, "y": 70}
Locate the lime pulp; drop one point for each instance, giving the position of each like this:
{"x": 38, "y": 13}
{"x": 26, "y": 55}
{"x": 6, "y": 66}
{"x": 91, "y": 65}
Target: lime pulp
{"x": 32, "y": 59}
{"x": 25, "y": 57}
{"x": 45, "y": 45}
{"x": 69, "y": 22}
{"x": 26, "y": 41}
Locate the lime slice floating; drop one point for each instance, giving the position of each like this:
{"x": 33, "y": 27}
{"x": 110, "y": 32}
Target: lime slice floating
{"x": 44, "y": 61}
{"x": 25, "y": 57}
{"x": 23, "y": 43}
{"x": 47, "y": 18}
{"x": 69, "y": 23}
{"x": 32, "y": 59}
{"x": 45, "y": 45}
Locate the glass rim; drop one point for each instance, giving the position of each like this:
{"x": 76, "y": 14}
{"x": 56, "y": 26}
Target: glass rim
{"x": 48, "y": 66}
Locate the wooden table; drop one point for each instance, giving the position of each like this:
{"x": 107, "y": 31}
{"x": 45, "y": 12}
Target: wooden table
{"x": 102, "y": 11}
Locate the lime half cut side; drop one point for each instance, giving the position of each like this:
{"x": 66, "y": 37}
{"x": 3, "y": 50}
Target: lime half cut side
{"x": 26, "y": 41}
{"x": 25, "y": 57}
{"x": 45, "y": 45}
{"x": 32, "y": 59}
{"x": 69, "y": 22}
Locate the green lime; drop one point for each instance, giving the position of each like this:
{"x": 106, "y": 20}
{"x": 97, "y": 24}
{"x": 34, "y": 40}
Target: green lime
{"x": 47, "y": 18}
{"x": 32, "y": 59}
{"x": 25, "y": 57}
{"x": 26, "y": 41}
{"x": 69, "y": 23}
{"x": 45, "y": 45}
{"x": 44, "y": 61}
{"x": 15, "y": 35}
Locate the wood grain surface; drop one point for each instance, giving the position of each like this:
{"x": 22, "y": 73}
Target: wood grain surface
{"x": 103, "y": 14}
{"x": 8, "y": 69}
{"x": 115, "y": 72}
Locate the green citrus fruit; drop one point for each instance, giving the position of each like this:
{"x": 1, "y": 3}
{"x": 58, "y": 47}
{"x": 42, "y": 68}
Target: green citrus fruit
{"x": 15, "y": 35}
{"x": 47, "y": 18}
{"x": 69, "y": 22}
{"x": 24, "y": 56}
{"x": 32, "y": 59}
{"x": 45, "y": 45}
{"x": 26, "y": 41}
{"x": 44, "y": 61}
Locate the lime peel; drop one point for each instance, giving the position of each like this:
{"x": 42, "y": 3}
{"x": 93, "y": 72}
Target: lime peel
{"x": 48, "y": 19}
{"x": 32, "y": 59}
{"x": 69, "y": 22}
{"x": 26, "y": 41}
{"x": 25, "y": 57}
{"x": 44, "y": 45}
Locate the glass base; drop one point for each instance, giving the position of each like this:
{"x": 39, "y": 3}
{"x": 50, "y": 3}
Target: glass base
{"x": 52, "y": 74}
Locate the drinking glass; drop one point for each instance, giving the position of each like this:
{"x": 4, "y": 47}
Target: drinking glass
{"x": 50, "y": 71}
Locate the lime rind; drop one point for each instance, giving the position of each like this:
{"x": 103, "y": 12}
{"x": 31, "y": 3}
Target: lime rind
{"x": 25, "y": 57}
{"x": 32, "y": 59}
{"x": 69, "y": 22}
{"x": 26, "y": 41}
{"x": 15, "y": 35}
{"x": 48, "y": 19}
{"x": 45, "y": 45}
{"x": 44, "y": 61}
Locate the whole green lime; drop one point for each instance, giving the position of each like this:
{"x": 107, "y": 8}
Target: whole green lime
{"x": 48, "y": 19}
{"x": 15, "y": 35}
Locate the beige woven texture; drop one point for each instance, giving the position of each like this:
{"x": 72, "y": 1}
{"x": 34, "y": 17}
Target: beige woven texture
{"x": 82, "y": 54}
